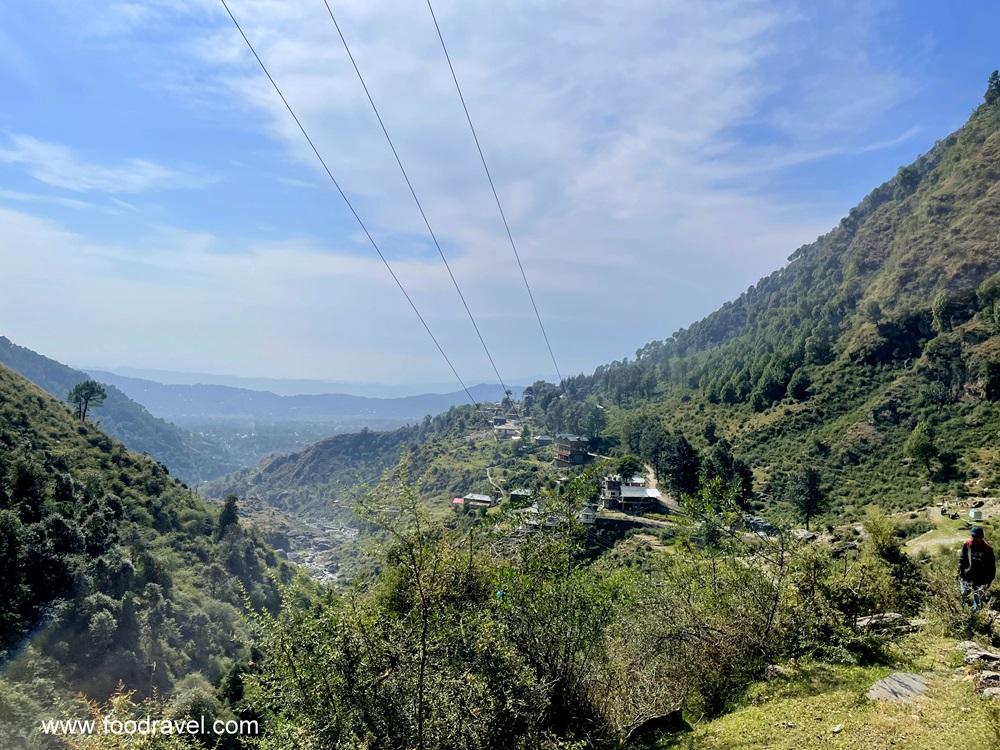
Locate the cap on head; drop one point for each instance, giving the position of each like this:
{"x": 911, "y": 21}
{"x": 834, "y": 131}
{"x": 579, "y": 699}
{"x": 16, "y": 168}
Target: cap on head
{"x": 977, "y": 531}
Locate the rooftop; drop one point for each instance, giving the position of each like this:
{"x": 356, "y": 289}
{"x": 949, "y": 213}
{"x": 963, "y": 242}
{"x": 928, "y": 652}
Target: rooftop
{"x": 476, "y": 497}
{"x": 570, "y": 438}
{"x": 637, "y": 480}
{"x": 640, "y": 493}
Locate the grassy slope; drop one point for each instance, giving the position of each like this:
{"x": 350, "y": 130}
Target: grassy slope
{"x": 190, "y": 457}
{"x": 800, "y": 713}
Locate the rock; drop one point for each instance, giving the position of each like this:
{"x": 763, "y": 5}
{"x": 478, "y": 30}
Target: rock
{"x": 838, "y": 729}
{"x": 842, "y": 548}
{"x": 966, "y": 645}
{"x": 890, "y": 622}
{"x": 987, "y": 679}
{"x": 774, "y": 672}
{"x": 879, "y": 621}
{"x": 977, "y": 655}
{"x": 993, "y": 693}
{"x": 899, "y": 686}
{"x": 804, "y": 536}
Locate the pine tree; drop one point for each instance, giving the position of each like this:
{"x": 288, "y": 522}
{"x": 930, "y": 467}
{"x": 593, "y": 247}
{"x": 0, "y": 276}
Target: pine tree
{"x": 993, "y": 88}
{"x": 804, "y": 492}
{"x": 229, "y": 516}
{"x": 86, "y": 394}
{"x": 920, "y": 445}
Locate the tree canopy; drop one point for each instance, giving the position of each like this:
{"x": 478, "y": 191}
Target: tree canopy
{"x": 86, "y": 394}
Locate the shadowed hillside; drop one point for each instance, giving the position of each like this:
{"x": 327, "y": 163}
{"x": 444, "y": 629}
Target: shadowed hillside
{"x": 112, "y": 570}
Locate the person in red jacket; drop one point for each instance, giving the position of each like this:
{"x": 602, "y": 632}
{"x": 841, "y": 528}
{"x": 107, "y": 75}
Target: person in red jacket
{"x": 977, "y": 565}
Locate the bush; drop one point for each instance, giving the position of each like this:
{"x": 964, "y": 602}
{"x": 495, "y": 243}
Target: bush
{"x": 913, "y": 528}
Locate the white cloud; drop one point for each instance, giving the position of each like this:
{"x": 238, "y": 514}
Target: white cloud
{"x": 181, "y": 299}
{"x": 616, "y": 133}
{"x": 23, "y": 197}
{"x": 59, "y": 166}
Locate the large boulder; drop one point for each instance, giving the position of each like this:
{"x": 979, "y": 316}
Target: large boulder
{"x": 987, "y": 679}
{"x": 898, "y": 687}
{"x": 976, "y": 655}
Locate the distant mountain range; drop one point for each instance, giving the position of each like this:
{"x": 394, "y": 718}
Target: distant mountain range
{"x": 197, "y": 404}
{"x": 201, "y": 431}
{"x": 283, "y": 386}
{"x": 191, "y": 457}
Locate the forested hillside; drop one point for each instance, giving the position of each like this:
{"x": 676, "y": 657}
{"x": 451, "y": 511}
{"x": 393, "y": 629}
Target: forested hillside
{"x": 112, "y": 571}
{"x": 447, "y": 455}
{"x": 884, "y": 326}
{"x": 190, "y": 457}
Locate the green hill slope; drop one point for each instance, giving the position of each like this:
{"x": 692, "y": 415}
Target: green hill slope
{"x": 187, "y": 455}
{"x": 112, "y": 571}
{"x": 887, "y": 322}
{"x": 447, "y": 455}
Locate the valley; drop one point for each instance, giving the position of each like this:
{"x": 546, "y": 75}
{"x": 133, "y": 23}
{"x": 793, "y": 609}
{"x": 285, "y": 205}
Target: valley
{"x": 773, "y": 527}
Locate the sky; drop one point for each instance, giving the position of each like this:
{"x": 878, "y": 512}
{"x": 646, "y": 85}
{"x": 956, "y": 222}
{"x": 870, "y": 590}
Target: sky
{"x": 159, "y": 208}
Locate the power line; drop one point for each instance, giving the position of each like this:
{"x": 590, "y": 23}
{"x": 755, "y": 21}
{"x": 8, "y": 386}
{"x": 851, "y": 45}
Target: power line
{"x": 350, "y": 206}
{"x": 496, "y": 196}
{"x": 416, "y": 200}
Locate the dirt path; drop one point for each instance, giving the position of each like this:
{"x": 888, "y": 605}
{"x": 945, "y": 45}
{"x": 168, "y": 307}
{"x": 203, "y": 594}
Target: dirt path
{"x": 651, "y": 478}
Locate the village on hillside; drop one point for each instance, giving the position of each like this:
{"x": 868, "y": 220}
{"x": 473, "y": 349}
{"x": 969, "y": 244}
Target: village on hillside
{"x": 623, "y": 502}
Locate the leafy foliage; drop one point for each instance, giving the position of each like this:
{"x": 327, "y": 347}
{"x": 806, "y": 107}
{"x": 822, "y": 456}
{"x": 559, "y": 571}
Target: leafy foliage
{"x": 86, "y": 394}
{"x": 111, "y": 571}
{"x": 456, "y": 645}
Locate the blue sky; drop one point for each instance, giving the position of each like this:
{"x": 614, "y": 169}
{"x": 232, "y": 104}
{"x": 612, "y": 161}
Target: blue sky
{"x": 159, "y": 209}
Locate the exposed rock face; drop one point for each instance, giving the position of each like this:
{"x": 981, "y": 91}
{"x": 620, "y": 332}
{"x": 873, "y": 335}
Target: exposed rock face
{"x": 886, "y": 413}
{"x": 899, "y": 686}
{"x": 976, "y": 655}
{"x": 986, "y": 681}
